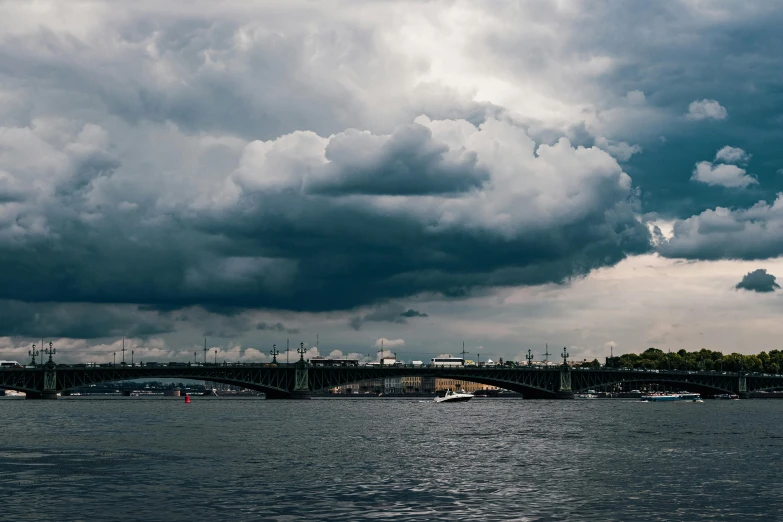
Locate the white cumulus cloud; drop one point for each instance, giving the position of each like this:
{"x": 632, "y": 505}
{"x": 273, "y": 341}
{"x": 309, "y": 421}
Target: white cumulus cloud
{"x": 706, "y": 110}
{"x": 722, "y": 174}
{"x": 732, "y": 155}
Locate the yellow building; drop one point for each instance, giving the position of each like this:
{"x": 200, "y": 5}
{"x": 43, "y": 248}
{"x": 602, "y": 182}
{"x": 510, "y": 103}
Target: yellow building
{"x": 467, "y": 386}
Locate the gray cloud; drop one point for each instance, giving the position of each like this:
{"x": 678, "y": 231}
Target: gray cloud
{"x": 410, "y": 312}
{"x": 388, "y": 313}
{"x": 275, "y": 327}
{"x": 407, "y": 162}
{"x": 234, "y": 157}
{"x": 753, "y": 233}
{"x": 758, "y": 281}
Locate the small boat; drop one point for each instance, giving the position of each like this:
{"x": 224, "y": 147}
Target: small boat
{"x": 726, "y": 396}
{"x": 668, "y": 397}
{"x": 452, "y": 396}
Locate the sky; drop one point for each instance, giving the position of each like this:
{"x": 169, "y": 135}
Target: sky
{"x": 354, "y": 176}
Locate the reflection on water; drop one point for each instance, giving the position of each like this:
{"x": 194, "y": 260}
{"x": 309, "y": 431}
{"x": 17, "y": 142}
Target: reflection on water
{"x": 488, "y": 459}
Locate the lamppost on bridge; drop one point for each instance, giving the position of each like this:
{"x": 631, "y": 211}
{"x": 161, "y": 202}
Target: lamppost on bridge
{"x": 529, "y": 357}
{"x": 51, "y": 351}
{"x": 195, "y": 360}
{"x": 123, "y": 351}
{"x": 115, "y": 359}
{"x": 215, "y": 356}
{"x": 565, "y": 356}
{"x": 33, "y": 353}
{"x": 301, "y": 351}
{"x": 274, "y": 353}
{"x": 131, "y": 357}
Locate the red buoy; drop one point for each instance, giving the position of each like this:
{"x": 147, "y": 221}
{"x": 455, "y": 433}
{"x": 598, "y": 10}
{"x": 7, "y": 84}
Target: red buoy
{"x": 187, "y": 399}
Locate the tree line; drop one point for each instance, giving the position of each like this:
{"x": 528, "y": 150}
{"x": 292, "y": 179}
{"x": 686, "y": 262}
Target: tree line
{"x": 704, "y": 360}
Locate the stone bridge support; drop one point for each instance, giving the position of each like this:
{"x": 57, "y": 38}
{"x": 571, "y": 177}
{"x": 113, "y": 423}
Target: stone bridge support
{"x": 565, "y": 391}
{"x": 742, "y": 386}
{"x": 301, "y": 380}
{"x": 49, "y": 383}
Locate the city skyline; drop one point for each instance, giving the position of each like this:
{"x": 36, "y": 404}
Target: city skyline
{"x": 603, "y": 177}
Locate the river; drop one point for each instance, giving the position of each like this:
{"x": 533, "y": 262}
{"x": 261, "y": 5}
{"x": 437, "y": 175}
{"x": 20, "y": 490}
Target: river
{"x": 488, "y": 459}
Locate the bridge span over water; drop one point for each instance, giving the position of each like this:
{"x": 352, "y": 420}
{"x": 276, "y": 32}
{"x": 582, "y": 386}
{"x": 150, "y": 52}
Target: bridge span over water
{"x": 298, "y": 380}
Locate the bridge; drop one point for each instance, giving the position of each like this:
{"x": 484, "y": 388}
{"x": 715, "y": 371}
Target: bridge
{"x": 298, "y": 380}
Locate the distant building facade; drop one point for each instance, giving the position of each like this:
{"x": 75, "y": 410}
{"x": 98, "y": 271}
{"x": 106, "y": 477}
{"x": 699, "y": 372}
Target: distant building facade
{"x": 409, "y": 384}
{"x": 456, "y": 384}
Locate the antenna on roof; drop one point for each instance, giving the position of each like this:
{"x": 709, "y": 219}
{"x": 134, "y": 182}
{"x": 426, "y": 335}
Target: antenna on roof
{"x": 463, "y": 352}
{"x": 546, "y": 354}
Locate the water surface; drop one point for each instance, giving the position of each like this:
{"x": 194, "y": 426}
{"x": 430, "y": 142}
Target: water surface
{"x": 488, "y": 459}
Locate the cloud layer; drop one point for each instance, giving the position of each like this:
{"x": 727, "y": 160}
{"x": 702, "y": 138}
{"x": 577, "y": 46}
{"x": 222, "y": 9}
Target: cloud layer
{"x": 220, "y": 168}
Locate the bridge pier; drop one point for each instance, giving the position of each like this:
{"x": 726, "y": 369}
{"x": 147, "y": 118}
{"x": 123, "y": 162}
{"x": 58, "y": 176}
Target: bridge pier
{"x": 302, "y": 379}
{"x": 565, "y": 391}
{"x": 742, "y": 386}
{"x": 49, "y": 391}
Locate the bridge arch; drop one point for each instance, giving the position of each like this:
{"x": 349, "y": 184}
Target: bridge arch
{"x": 695, "y": 387}
{"x": 533, "y": 389}
{"x": 267, "y": 389}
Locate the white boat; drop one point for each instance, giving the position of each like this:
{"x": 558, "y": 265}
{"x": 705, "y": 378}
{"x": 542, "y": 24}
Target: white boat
{"x": 668, "y": 397}
{"x": 452, "y": 396}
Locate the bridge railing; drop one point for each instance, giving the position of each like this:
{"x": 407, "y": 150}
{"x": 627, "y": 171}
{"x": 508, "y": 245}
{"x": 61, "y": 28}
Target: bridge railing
{"x": 458, "y": 368}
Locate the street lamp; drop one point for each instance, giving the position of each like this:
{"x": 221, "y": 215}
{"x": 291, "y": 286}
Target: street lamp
{"x": 215, "y": 356}
{"x": 115, "y": 359}
{"x": 131, "y": 357}
{"x": 51, "y": 351}
{"x": 33, "y": 353}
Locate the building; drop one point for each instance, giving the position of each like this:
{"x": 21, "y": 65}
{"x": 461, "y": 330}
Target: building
{"x": 466, "y": 386}
{"x": 409, "y": 384}
{"x": 360, "y": 387}
{"x": 402, "y": 385}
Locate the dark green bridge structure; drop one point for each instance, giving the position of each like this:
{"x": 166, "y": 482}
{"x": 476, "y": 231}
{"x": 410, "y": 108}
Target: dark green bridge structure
{"x": 298, "y": 380}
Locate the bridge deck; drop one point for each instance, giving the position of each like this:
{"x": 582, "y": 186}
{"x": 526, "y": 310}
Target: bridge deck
{"x": 280, "y": 380}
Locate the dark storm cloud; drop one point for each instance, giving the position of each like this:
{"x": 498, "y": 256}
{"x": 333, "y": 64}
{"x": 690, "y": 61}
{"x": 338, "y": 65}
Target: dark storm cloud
{"x": 155, "y": 197}
{"x": 758, "y": 281}
{"x": 78, "y": 321}
{"x": 290, "y": 250}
